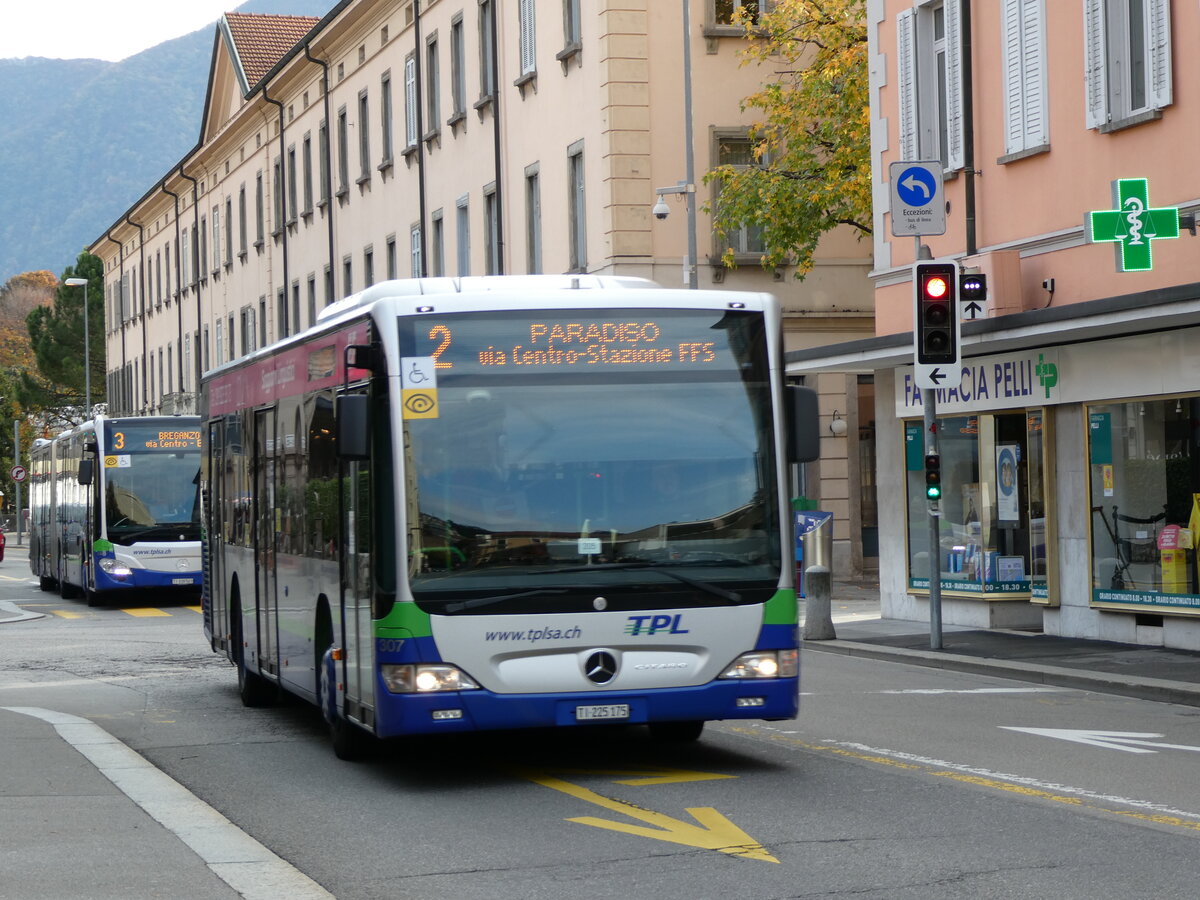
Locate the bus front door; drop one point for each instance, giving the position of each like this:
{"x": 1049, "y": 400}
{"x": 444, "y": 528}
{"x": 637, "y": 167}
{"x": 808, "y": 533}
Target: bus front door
{"x": 266, "y": 538}
{"x": 358, "y": 635}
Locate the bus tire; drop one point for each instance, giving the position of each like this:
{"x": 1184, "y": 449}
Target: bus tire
{"x": 350, "y": 743}
{"x": 676, "y": 732}
{"x": 46, "y": 583}
{"x": 254, "y": 690}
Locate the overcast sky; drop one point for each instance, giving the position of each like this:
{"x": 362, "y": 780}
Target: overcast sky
{"x": 100, "y": 29}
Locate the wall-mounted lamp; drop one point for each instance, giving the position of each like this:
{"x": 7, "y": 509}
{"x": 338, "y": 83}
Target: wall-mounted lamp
{"x": 838, "y": 425}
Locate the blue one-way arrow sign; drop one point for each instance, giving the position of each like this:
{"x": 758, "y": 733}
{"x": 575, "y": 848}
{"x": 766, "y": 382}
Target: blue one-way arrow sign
{"x": 918, "y": 205}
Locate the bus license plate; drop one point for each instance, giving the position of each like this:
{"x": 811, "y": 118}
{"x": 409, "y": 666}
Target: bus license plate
{"x": 612, "y": 711}
{"x": 182, "y": 581}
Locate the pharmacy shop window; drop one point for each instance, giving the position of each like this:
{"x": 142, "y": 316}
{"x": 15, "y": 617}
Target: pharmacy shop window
{"x": 1144, "y": 483}
{"x": 993, "y": 514}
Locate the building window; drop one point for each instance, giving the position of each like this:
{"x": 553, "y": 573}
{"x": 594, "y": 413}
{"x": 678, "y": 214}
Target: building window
{"x": 930, "y": 91}
{"x": 216, "y": 239}
{"x": 292, "y": 195}
{"x": 343, "y": 149}
{"x": 491, "y": 232}
{"x": 572, "y": 27}
{"x": 410, "y": 101}
{"x": 306, "y": 153}
{"x": 347, "y": 276}
{"x": 262, "y": 320}
{"x": 368, "y": 267}
{"x": 246, "y": 321}
{"x": 1127, "y": 60}
{"x": 296, "y": 325}
{"x": 242, "y": 236}
{"x": 458, "y": 71}
{"x": 258, "y": 212}
{"x": 201, "y": 249}
{"x": 414, "y": 246}
{"x": 487, "y": 50}
{"x": 462, "y": 220}
{"x": 437, "y": 246}
{"x": 533, "y": 220}
{"x": 325, "y": 175}
{"x": 722, "y": 12}
{"x": 228, "y": 230}
{"x": 385, "y": 119}
{"x": 527, "y": 37}
{"x": 220, "y": 344}
{"x": 281, "y": 313}
{"x": 390, "y": 257}
{"x": 329, "y": 291}
{"x": 737, "y": 150}
{"x": 993, "y": 506}
{"x": 1024, "y": 43}
{"x": 364, "y": 139}
{"x": 277, "y": 189}
{"x": 433, "y": 88}
{"x": 185, "y": 269}
{"x": 312, "y": 299}
{"x": 576, "y": 209}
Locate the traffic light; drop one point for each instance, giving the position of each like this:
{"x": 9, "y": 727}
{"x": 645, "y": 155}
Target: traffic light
{"x": 933, "y": 476}
{"x": 935, "y": 316}
{"x": 972, "y": 288}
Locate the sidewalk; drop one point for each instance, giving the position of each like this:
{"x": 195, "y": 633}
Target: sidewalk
{"x": 1131, "y": 670}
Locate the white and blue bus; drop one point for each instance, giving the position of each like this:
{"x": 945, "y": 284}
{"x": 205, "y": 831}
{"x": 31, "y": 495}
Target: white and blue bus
{"x": 505, "y": 502}
{"x": 114, "y": 508}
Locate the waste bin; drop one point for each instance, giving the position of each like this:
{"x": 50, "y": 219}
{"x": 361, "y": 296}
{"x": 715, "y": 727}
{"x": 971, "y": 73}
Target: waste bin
{"x": 814, "y": 542}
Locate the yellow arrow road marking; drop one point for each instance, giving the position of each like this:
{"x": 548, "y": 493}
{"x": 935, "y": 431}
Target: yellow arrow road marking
{"x": 144, "y": 612}
{"x": 648, "y": 776}
{"x": 714, "y": 831}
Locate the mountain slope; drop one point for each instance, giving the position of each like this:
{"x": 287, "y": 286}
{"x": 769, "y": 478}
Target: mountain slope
{"x": 87, "y": 138}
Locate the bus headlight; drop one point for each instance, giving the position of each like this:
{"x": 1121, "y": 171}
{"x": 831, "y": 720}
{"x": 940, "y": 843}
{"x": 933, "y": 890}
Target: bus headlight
{"x": 425, "y": 678}
{"x": 111, "y": 567}
{"x": 765, "y": 664}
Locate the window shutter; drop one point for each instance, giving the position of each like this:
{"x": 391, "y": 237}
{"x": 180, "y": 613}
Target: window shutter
{"x": 1033, "y": 54}
{"x": 954, "y": 97}
{"x": 410, "y": 101}
{"x": 1158, "y": 34}
{"x": 1095, "y": 64}
{"x": 528, "y": 60}
{"x": 906, "y": 71}
{"x": 1014, "y": 103}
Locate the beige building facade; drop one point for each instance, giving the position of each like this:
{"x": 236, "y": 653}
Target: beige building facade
{"x": 393, "y": 139}
{"x": 1069, "y": 435}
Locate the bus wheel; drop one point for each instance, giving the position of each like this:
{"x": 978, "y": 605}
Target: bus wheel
{"x": 46, "y": 583}
{"x": 350, "y": 742}
{"x": 254, "y": 690}
{"x": 676, "y": 732}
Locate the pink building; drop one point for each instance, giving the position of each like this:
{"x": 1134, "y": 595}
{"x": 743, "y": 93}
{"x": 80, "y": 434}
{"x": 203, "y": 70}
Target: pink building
{"x": 1069, "y": 432}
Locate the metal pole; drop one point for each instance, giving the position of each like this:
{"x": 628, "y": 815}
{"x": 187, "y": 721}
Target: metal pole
{"x": 17, "y": 462}
{"x": 689, "y": 153}
{"x": 929, "y": 401}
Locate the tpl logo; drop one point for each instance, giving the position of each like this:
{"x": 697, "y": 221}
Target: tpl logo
{"x": 639, "y": 625}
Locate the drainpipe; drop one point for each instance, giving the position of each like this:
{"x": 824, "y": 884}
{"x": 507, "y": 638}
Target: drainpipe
{"x": 178, "y": 299}
{"x": 420, "y": 70}
{"x": 283, "y": 210}
{"x": 120, "y": 281}
{"x": 327, "y": 173}
{"x": 968, "y": 130}
{"x": 142, "y": 296}
{"x": 496, "y": 141}
{"x": 195, "y": 251}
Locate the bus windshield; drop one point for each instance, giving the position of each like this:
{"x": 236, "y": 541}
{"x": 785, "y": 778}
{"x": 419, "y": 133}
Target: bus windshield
{"x": 590, "y": 448}
{"x": 151, "y": 481}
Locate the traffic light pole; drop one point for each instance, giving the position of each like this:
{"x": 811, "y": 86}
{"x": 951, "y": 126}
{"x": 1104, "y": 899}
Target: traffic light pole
{"x": 929, "y": 401}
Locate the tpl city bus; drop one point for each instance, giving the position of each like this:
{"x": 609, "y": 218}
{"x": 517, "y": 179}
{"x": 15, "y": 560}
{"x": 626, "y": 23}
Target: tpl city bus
{"x": 506, "y": 502}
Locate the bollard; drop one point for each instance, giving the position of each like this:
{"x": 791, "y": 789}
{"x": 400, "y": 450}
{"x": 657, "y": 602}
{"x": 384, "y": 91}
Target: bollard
{"x": 818, "y": 615}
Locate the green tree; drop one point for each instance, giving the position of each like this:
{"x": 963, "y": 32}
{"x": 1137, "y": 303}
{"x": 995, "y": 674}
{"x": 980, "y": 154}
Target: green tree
{"x": 810, "y": 169}
{"x": 56, "y": 334}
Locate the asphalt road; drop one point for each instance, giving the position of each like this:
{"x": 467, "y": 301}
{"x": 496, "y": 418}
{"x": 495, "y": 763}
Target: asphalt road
{"x": 895, "y": 782}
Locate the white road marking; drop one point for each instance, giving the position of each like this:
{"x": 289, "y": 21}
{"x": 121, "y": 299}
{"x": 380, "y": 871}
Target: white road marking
{"x": 1016, "y": 779}
{"x": 998, "y": 690}
{"x": 18, "y": 614}
{"x": 1108, "y": 740}
{"x": 236, "y": 858}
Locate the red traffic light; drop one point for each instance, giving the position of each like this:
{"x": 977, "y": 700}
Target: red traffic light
{"x": 936, "y": 287}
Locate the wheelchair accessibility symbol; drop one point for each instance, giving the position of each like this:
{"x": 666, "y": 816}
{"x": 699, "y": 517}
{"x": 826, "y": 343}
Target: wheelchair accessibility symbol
{"x": 420, "y": 404}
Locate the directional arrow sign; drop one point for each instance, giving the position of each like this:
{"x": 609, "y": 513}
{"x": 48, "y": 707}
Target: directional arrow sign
{"x": 936, "y": 376}
{"x": 918, "y": 204}
{"x": 972, "y": 310}
{"x": 710, "y": 830}
{"x": 1129, "y": 741}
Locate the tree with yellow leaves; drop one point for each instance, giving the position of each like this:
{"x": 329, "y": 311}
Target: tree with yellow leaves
{"x": 810, "y": 168}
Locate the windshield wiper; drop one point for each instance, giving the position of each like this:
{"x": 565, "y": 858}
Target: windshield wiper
{"x": 499, "y": 598}
{"x": 662, "y": 569}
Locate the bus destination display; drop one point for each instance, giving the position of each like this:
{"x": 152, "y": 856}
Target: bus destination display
{"x": 140, "y": 439}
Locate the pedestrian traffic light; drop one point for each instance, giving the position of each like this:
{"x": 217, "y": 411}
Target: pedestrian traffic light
{"x": 935, "y": 313}
{"x": 933, "y": 476}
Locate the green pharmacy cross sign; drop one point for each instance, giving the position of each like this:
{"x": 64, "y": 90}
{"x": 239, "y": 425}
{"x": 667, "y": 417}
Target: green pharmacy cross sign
{"x": 1133, "y": 224}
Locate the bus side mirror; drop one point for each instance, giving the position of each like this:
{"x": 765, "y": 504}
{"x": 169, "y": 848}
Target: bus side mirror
{"x": 804, "y": 438}
{"x": 85, "y": 471}
{"x": 353, "y": 427}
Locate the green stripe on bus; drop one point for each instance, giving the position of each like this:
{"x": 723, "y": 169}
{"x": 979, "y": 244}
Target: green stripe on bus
{"x": 781, "y": 609}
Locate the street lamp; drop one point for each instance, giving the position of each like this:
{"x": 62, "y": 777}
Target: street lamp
{"x": 87, "y": 348}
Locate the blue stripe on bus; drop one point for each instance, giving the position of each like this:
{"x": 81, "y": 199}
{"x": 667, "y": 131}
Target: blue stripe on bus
{"x": 400, "y": 714}
{"x": 141, "y": 578}
{"x": 778, "y": 637}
